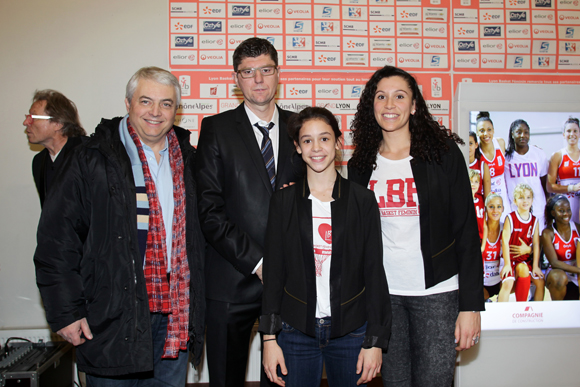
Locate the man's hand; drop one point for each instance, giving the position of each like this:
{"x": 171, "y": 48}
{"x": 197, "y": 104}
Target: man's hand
{"x": 72, "y": 333}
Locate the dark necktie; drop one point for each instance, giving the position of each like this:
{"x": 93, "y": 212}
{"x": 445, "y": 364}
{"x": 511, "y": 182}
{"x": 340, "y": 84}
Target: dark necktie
{"x": 268, "y": 152}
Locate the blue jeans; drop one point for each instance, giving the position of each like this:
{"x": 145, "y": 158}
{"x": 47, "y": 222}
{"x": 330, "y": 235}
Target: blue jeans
{"x": 304, "y": 355}
{"x": 166, "y": 372}
{"x": 421, "y": 350}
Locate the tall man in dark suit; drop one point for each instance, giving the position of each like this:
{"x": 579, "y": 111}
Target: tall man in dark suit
{"x": 53, "y": 122}
{"x": 244, "y": 155}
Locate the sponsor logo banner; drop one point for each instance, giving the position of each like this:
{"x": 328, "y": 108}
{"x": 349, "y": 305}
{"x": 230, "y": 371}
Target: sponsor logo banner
{"x": 466, "y": 30}
{"x": 466, "y": 46}
{"x": 517, "y": 31}
{"x": 543, "y": 17}
{"x": 240, "y": 10}
{"x": 329, "y": 27}
{"x": 518, "y": 62}
{"x": 466, "y": 60}
{"x": 297, "y": 58}
{"x": 240, "y": 26}
{"x": 492, "y": 31}
{"x": 183, "y": 9}
{"x": 381, "y": 14}
{"x": 183, "y": 26}
{"x": 519, "y": 46}
{"x": 569, "y": 63}
{"x": 435, "y": 14}
{"x": 544, "y": 47}
{"x": 355, "y": 59}
{"x": 298, "y": 42}
{"x": 269, "y": 26}
{"x": 183, "y": 57}
{"x": 543, "y": 32}
{"x": 198, "y": 106}
{"x": 207, "y": 26}
{"x": 326, "y": 58}
{"x": 183, "y": 41}
{"x": 299, "y": 91}
{"x": 409, "y": 29}
{"x": 269, "y": 11}
{"x": 355, "y": 28}
{"x": 327, "y": 12}
{"x": 519, "y": 16}
{"x": 328, "y": 91}
{"x": 492, "y": 61}
{"x": 350, "y": 43}
{"x": 490, "y": 16}
{"x": 465, "y": 15}
{"x": 213, "y": 90}
{"x": 435, "y": 30}
{"x": 436, "y": 106}
{"x": 543, "y": 62}
{"x": 298, "y": 11}
{"x": 408, "y": 45}
{"x": 408, "y": 13}
{"x": 212, "y": 57}
{"x": 212, "y": 10}
{"x": 492, "y": 46}
{"x": 435, "y": 61}
{"x": 409, "y": 60}
{"x": 212, "y": 41}
{"x": 382, "y": 59}
{"x": 435, "y": 46}
{"x": 382, "y": 29}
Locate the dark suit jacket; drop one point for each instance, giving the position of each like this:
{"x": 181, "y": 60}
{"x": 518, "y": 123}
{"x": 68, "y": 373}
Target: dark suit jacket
{"x": 44, "y": 170}
{"x": 234, "y": 192}
{"x": 449, "y": 235}
{"x": 358, "y": 285}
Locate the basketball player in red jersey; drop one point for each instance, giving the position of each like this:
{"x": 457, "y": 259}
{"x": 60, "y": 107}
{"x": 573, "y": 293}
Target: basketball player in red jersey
{"x": 475, "y": 180}
{"x": 491, "y": 247}
{"x": 520, "y": 238}
{"x": 564, "y": 170}
{"x": 493, "y": 154}
{"x": 559, "y": 240}
{"x": 476, "y": 163}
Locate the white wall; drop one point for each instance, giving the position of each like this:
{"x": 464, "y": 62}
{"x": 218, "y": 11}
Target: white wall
{"x": 88, "y": 50}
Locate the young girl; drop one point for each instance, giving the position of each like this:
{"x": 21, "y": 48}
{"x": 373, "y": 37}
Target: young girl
{"x": 325, "y": 297}
{"x": 559, "y": 243}
{"x": 520, "y": 234}
{"x": 564, "y": 170}
{"x": 493, "y": 154}
{"x": 491, "y": 246}
{"x": 475, "y": 180}
{"x": 476, "y": 163}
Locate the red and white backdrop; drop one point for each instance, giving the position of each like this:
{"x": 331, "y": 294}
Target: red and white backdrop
{"x": 329, "y": 48}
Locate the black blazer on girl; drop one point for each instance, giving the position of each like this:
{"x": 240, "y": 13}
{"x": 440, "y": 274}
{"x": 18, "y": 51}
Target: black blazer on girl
{"x": 358, "y": 285}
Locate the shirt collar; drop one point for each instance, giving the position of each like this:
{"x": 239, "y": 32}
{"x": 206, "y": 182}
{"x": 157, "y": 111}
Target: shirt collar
{"x": 254, "y": 118}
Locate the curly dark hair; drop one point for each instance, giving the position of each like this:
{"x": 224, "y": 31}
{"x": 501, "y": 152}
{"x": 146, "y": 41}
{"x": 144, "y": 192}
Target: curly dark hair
{"x": 509, "y": 152}
{"x": 552, "y": 200}
{"x": 428, "y": 138}
{"x": 253, "y": 48}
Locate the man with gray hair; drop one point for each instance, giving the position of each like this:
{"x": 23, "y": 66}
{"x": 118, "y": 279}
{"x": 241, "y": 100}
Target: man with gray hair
{"x": 119, "y": 260}
{"x": 53, "y": 122}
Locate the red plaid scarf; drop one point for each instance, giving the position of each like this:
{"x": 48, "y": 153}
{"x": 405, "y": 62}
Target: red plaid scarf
{"x": 172, "y": 298}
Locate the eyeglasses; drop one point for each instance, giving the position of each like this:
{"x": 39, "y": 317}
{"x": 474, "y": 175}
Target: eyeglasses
{"x": 251, "y": 73}
{"x": 32, "y": 117}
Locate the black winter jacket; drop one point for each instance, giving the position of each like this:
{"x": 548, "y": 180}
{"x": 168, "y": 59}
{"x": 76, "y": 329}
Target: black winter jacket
{"x": 88, "y": 262}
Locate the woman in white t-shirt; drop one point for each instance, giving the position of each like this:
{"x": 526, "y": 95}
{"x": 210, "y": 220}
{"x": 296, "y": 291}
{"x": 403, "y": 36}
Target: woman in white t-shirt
{"x": 325, "y": 299}
{"x": 431, "y": 246}
{"x": 526, "y": 164}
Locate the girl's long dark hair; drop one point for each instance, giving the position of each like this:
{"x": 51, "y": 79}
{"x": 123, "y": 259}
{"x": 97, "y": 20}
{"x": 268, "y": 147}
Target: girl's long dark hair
{"x": 509, "y": 152}
{"x": 428, "y": 138}
{"x": 477, "y": 152}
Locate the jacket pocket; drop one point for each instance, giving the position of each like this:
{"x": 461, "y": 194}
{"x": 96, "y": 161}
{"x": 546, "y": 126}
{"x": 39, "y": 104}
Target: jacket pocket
{"x": 355, "y": 297}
